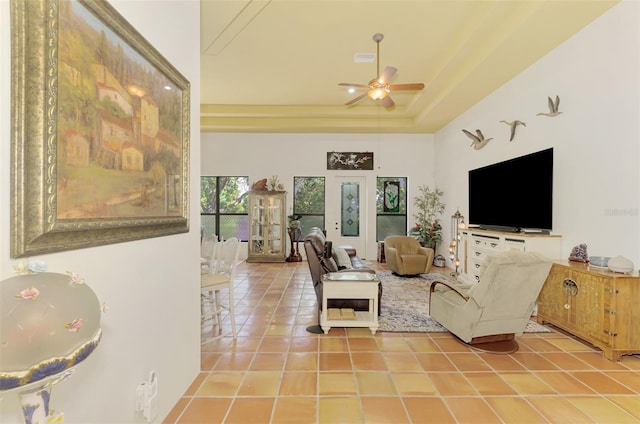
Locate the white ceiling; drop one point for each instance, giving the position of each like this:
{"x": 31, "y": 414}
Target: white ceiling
{"x": 275, "y": 65}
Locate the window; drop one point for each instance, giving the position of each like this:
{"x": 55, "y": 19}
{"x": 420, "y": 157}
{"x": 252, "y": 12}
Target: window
{"x": 223, "y": 207}
{"x": 391, "y": 207}
{"x": 308, "y": 201}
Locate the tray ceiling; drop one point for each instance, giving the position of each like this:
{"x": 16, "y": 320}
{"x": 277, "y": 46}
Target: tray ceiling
{"x": 275, "y": 65}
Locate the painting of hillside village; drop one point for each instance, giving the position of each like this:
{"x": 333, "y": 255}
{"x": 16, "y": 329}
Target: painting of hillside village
{"x": 119, "y": 133}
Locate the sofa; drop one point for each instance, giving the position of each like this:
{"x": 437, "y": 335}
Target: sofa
{"x": 405, "y": 256}
{"x": 340, "y": 259}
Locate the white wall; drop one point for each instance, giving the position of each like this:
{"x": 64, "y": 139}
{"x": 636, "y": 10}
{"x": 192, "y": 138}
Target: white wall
{"x": 596, "y": 140}
{"x": 151, "y": 286}
{"x": 287, "y": 155}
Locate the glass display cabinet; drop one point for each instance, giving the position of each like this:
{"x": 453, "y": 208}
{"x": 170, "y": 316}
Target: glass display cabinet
{"x": 267, "y": 226}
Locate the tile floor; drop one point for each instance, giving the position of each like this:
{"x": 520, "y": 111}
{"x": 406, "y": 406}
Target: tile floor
{"x": 277, "y": 372}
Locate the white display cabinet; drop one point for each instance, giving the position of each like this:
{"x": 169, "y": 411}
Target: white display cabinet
{"x": 267, "y": 226}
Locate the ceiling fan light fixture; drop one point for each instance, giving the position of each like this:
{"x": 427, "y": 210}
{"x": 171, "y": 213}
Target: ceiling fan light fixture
{"x": 380, "y": 87}
{"x": 377, "y": 93}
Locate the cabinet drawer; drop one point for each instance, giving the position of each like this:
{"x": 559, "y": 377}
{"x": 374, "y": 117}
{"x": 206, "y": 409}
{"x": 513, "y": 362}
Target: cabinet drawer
{"x": 475, "y": 276}
{"x": 513, "y": 244}
{"x": 491, "y": 244}
{"x": 478, "y": 255}
{"x": 474, "y": 265}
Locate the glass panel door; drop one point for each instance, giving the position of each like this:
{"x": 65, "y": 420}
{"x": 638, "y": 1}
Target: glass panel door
{"x": 349, "y": 209}
{"x": 347, "y": 226}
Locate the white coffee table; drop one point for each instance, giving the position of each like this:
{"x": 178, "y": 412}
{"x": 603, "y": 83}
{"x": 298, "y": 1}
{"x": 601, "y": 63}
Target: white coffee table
{"x": 350, "y": 285}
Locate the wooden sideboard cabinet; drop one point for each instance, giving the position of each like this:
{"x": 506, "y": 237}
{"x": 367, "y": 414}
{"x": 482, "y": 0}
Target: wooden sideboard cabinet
{"x": 593, "y": 304}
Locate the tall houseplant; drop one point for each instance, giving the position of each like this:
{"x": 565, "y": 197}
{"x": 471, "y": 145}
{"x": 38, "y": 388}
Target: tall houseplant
{"x": 428, "y": 230}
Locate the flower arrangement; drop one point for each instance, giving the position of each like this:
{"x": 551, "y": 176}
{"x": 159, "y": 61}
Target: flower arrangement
{"x": 428, "y": 230}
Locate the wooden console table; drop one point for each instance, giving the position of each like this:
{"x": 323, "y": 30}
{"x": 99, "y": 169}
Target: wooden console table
{"x": 595, "y": 304}
{"x": 350, "y": 285}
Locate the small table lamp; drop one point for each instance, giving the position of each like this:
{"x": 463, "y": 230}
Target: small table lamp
{"x": 49, "y": 324}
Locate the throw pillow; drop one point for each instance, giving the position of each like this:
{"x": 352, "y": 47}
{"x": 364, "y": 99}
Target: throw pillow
{"x": 329, "y": 265}
{"x": 342, "y": 258}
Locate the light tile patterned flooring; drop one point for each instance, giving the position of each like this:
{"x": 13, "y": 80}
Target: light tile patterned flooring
{"x": 277, "y": 372}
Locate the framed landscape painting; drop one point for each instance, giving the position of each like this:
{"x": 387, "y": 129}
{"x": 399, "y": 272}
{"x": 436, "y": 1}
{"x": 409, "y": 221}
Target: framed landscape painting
{"x": 100, "y": 130}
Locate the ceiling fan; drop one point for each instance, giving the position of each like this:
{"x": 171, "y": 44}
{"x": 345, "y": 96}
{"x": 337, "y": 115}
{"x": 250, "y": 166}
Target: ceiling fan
{"x": 379, "y": 88}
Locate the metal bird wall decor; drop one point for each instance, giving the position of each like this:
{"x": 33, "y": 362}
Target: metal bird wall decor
{"x": 513, "y": 126}
{"x": 478, "y": 139}
{"x": 553, "y": 107}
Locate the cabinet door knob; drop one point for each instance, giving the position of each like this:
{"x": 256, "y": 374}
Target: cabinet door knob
{"x": 570, "y": 287}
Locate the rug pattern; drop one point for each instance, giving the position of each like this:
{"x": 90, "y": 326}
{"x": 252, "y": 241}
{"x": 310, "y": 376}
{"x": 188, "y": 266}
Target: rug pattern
{"x": 405, "y": 305}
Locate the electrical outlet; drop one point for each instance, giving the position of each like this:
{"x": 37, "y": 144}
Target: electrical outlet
{"x": 147, "y": 397}
{"x": 140, "y": 391}
{"x": 151, "y": 397}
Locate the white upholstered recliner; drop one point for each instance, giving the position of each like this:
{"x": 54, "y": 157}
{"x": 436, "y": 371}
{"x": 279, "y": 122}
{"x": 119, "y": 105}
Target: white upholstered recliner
{"x": 489, "y": 314}
{"x": 405, "y": 256}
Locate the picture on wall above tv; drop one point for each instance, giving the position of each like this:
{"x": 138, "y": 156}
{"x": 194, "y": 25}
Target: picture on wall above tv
{"x": 514, "y": 195}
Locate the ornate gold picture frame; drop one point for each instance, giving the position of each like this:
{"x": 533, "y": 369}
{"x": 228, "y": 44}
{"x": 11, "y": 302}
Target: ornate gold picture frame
{"x": 100, "y": 130}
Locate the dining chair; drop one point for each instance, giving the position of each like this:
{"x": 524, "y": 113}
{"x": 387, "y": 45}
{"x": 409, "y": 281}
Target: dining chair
{"x": 207, "y": 252}
{"x": 214, "y": 283}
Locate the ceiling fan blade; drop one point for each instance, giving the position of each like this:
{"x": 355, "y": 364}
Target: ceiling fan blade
{"x": 414, "y": 86}
{"x": 356, "y": 100}
{"x": 347, "y": 84}
{"x": 386, "y": 75}
{"x": 387, "y": 102}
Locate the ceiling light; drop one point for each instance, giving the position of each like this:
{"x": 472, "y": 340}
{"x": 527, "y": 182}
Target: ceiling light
{"x": 377, "y": 94}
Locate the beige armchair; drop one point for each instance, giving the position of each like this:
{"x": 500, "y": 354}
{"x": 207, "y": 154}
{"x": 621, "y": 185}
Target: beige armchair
{"x": 405, "y": 256}
{"x": 489, "y": 314}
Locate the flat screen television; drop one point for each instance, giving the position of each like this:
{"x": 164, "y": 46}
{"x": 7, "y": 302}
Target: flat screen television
{"x": 514, "y": 195}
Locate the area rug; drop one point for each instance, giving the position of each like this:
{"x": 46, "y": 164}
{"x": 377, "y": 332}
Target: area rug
{"x": 405, "y": 305}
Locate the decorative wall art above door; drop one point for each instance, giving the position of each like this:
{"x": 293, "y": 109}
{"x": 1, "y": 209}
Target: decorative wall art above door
{"x": 349, "y": 160}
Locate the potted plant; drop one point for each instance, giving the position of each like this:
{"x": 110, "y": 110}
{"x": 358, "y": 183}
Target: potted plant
{"x": 294, "y": 220}
{"x": 428, "y": 230}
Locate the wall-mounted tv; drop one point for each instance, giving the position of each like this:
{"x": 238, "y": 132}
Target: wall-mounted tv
{"x": 514, "y": 195}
